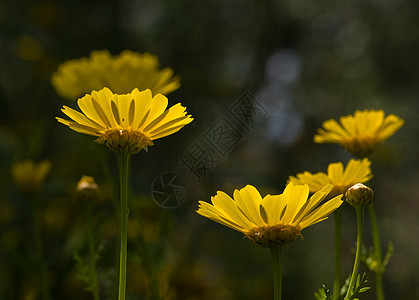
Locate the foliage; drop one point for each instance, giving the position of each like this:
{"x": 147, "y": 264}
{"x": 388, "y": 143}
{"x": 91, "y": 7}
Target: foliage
{"x": 369, "y": 257}
{"x": 323, "y": 294}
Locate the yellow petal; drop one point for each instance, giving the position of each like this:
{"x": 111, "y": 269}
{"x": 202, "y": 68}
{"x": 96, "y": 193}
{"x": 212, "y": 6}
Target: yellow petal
{"x": 314, "y": 181}
{"x": 158, "y": 106}
{"x": 155, "y": 128}
{"x": 295, "y": 201}
{"x": 328, "y": 137}
{"x": 375, "y": 121}
{"x": 142, "y": 106}
{"x": 391, "y": 124}
{"x": 288, "y": 190}
{"x": 86, "y": 106}
{"x": 248, "y": 200}
{"x": 334, "y": 127}
{"x": 80, "y": 118}
{"x": 274, "y": 208}
{"x": 78, "y": 127}
{"x": 227, "y": 206}
{"x": 169, "y": 87}
{"x": 207, "y": 210}
{"x": 350, "y": 125}
{"x": 101, "y": 102}
{"x": 169, "y": 117}
{"x": 312, "y": 203}
{"x": 322, "y": 212}
{"x": 357, "y": 171}
{"x": 335, "y": 172}
{"x": 95, "y": 110}
{"x": 168, "y": 131}
{"x": 122, "y": 107}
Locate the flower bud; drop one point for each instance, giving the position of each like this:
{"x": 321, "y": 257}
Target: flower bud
{"x": 358, "y": 195}
{"x": 87, "y": 189}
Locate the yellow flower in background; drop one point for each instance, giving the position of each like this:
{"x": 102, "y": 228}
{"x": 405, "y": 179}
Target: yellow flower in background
{"x": 87, "y": 189}
{"x": 127, "y": 123}
{"x": 273, "y": 219}
{"x": 356, "y": 171}
{"x": 121, "y": 73}
{"x": 29, "y": 175}
{"x": 359, "y": 133}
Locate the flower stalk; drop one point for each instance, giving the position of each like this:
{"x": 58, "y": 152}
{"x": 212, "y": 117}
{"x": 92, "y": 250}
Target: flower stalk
{"x": 337, "y": 277}
{"x": 92, "y": 254}
{"x": 123, "y": 158}
{"x": 277, "y": 269}
{"x": 43, "y": 278}
{"x": 360, "y": 231}
{"x": 375, "y": 232}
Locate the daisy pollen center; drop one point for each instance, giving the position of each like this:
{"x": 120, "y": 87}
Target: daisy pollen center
{"x": 125, "y": 140}
{"x": 276, "y": 234}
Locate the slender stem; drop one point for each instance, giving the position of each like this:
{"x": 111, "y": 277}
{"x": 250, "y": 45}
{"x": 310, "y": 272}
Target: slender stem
{"x": 375, "y": 232}
{"x": 123, "y": 175}
{"x": 360, "y": 230}
{"x": 92, "y": 255}
{"x": 276, "y": 256}
{"x": 337, "y": 278}
{"x": 42, "y": 271}
{"x": 155, "y": 295}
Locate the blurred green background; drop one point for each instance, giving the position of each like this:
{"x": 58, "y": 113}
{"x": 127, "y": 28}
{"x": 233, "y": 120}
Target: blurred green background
{"x": 305, "y": 62}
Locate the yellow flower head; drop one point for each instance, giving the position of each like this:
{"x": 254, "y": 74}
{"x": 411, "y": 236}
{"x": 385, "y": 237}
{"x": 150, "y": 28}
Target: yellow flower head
{"x": 128, "y": 122}
{"x": 273, "y": 218}
{"x": 29, "y": 175}
{"x": 356, "y": 171}
{"x": 121, "y": 73}
{"x": 359, "y": 133}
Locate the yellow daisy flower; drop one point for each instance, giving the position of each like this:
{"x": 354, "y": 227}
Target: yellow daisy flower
{"x": 359, "y": 133}
{"x": 29, "y": 175}
{"x": 273, "y": 219}
{"x": 128, "y": 122}
{"x": 356, "y": 171}
{"x": 121, "y": 73}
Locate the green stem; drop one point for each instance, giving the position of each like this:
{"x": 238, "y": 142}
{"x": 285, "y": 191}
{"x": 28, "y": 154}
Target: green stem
{"x": 375, "y": 232}
{"x": 360, "y": 231}
{"x": 123, "y": 176}
{"x": 337, "y": 278}
{"x": 276, "y": 256}
{"x": 155, "y": 295}
{"x": 92, "y": 255}
{"x": 42, "y": 269}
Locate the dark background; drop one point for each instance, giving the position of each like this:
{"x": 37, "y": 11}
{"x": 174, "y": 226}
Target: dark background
{"x": 305, "y": 62}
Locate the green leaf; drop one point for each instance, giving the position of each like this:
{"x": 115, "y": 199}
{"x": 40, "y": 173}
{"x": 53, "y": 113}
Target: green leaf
{"x": 359, "y": 286}
{"x": 389, "y": 254}
{"x": 370, "y": 258}
{"x": 323, "y": 293}
{"x": 364, "y": 289}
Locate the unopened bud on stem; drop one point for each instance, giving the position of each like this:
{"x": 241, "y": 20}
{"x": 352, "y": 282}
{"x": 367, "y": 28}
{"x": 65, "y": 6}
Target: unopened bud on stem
{"x": 358, "y": 195}
{"x": 87, "y": 189}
